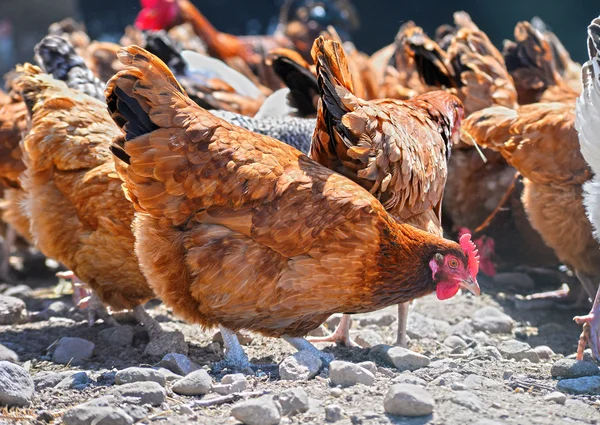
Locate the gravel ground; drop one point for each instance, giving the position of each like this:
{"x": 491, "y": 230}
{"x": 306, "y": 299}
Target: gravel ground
{"x": 483, "y": 361}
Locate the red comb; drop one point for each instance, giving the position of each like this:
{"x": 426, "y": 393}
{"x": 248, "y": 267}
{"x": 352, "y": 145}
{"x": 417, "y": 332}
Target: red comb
{"x": 471, "y": 252}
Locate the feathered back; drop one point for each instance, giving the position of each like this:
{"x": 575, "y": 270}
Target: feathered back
{"x": 587, "y": 119}
{"x": 57, "y": 57}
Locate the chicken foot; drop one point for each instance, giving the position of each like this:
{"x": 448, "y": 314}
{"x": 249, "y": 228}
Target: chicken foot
{"x": 591, "y": 330}
{"x": 341, "y": 335}
{"x": 235, "y": 356}
{"x": 302, "y": 344}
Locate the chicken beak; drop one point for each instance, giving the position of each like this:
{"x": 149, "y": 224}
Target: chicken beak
{"x": 470, "y": 285}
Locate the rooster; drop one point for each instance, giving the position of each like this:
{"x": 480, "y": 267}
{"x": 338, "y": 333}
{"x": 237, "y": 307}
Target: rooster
{"x": 242, "y": 231}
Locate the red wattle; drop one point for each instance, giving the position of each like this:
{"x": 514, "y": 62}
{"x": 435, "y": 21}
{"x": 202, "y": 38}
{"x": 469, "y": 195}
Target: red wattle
{"x": 445, "y": 291}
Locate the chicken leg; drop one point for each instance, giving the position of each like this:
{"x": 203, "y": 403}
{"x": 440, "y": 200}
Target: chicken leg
{"x": 402, "y": 339}
{"x": 235, "y": 357}
{"x": 591, "y": 330}
{"x": 10, "y": 236}
{"x": 341, "y": 335}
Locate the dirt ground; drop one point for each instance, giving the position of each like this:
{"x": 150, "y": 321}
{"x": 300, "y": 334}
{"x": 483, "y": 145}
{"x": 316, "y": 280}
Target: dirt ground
{"x": 514, "y": 393}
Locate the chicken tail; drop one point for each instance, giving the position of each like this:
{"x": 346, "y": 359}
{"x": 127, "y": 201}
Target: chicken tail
{"x": 587, "y": 119}
{"x": 430, "y": 59}
{"x": 296, "y": 75}
{"x": 57, "y": 57}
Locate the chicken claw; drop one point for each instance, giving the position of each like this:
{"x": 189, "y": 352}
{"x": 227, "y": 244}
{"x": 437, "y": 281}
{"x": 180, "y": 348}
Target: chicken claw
{"x": 235, "y": 357}
{"x": 302, "y": 344}
{"x": 340, "y": 336}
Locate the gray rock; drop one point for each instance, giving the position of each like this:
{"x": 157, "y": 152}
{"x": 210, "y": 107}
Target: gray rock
{"x": 398, "y": 357}
{"x": 347, "y": 374}
{"x": 8, "y": 355}
{"x": 232, "y": 383}
{"x": 487, "y": 352}
{"x": 119, "y": 336}
{"x": 513, "y": 349}
{"x": 259, "y": 411}
{"x": 584, "y": 385}
{"x": 456, "y": 344}
{"x": 420, "y": 326}
{"x": 300, "y": 366}
{"x": 336, "y": 392}
{"x": 243, "y": 338}
{"x": 146, "y": 392}
{"x": 333, "y": 413}
{"x": 477, "y": 382}
{"x": 379, "y": 318}
{"x": 12, "y": 310}
{"x": 75, "y": 351}
{"x": 169, "y": 376}
{"x": 463, "y": 328}
{"x": 196, "y": 383}
{"x": 409, "y": 378}
{"x": 492, "y": 320}
{"x": 43, "y": 380}
{"x": 77, "y": 380}
{"x": 468, "y": 400}
{"x": 544, "y": 352}
{"x": 447, "y": 379}
{"x": 408, "y": 400}
{"x": 367, "y": 338}
{"x": 184, "y": 409}
{"x": 571, "y": 368}
{"x": 166, "y": 342}
{"x": 19, "y": 291}
{"x": 293, "y": 401}
{"x": 97, "y": 415}
{"x": 556, "y": 397}
{"x": 178, "y": 363}
{"x": 16, "y": 386}
{"x": 370, "y": 366}
{"x": 458, "y": 386}
{"x": 139, "y": 374}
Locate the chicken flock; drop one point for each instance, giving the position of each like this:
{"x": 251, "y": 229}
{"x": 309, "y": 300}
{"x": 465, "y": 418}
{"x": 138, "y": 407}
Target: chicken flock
{"x": 267, "y": 182}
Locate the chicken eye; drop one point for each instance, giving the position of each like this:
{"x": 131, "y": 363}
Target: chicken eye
{"x": 453, "y": 263}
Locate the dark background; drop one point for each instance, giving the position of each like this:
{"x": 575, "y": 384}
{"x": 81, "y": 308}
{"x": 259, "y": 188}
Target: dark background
{"x": 380, "y": 20}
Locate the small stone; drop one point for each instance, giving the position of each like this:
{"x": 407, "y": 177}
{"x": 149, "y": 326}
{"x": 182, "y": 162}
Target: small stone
{"x": 19, "y": 291}
{"x": 463, "y": 328}
{"x": 518, "y": 350}
{"x": 492, "y": 320}
{"x": 571, "y": 368}
{"x": 488, "y": 352}
{"x": 476, "y": 382}
{"x": 447, "y": 379}
{"x": 544, "y": 352}
{"x": 507, "y": 374}
{"x": 198, "y": 382}
{"x": 458, "y": 386}
{"x": 118, "y": 336}
{"x": 293, "y": 401}
{"x": 50, "y": 379}
{"x": 370, "y": 366}
{"x": 556, "y": 397}
{"x": 456, "y": 344}
{"x": 300, "y": 366}
{"x": 584, "y": 385}
{"x": 78, "y": 380}
{"x": 333, "y": 321}
{"x": 16, "y": 386}
{"x": 408, "y": 400}
{"x": 399, "y": 357}
{"x": 347, "y": 374}
{"x": 320, "y": 331}
{"x": 75, "y": 351}
{"x": 333, "y": 413}
{"x": 232, "y": 383}
{"x": 169, "y": 376}
{"x": 259, "y": 411}
{"x": 8, "y": 355}
{"x": 12, "y": 310}
{"x": 379, "y": 318}
{"x": 139, "y": 374}
{"x": 243, "y": 338}
{"x": 409, "y": 378}
{"x": 166, "y": 343}
{"x": 468, "y": 400}
{"x": 147, "y": 392}
{"x": 336, "y": 392}
{"x": 92, "y": 415}
{"x": 178, "y": 363}
{"x": 367, "y": 338}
